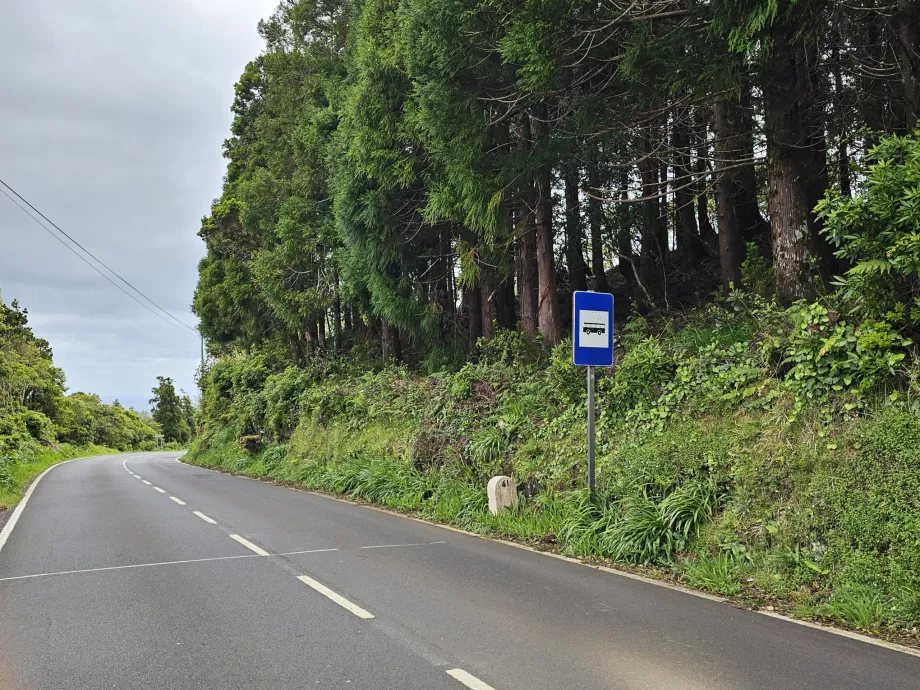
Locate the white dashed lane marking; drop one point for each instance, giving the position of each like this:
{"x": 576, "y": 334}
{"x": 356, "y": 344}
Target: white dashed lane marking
{"x": 206, "y": 518}
{"x": 249, "y": 545}
{"x": 337, "y": 598}
{"x": 468, "y": 680}
{"x": 146, "y": 482}
{"x": 173, "y": 498}
{"x": 156, "y": 488}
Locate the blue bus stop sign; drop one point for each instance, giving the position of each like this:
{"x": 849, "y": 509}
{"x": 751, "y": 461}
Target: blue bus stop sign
{"x": 592, "y": 329}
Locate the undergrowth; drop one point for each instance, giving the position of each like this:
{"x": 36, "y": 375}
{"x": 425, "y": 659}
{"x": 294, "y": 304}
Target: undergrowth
{"x": 763, "y": 454}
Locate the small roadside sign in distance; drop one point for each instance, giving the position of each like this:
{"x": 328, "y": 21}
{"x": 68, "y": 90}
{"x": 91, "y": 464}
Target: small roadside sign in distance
{"x": 592, "y": 326}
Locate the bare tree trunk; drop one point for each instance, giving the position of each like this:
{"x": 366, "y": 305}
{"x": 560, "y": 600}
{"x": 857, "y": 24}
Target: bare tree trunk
{"x": 578, "y": 269}
{"x": 730, "y": 245}
{"x": 595, "y": 222}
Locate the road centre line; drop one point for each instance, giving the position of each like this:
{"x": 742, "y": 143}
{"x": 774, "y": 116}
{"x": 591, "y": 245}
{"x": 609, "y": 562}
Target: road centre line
{"x": 156, "y": 488}
{"x": 173, "y": 498}
{"x": 150, "y": 565}
{"x": 396, "y": 546}
{"x": 249, "y": 545}
{"x": 468, "y": 680}
{"x": 137, "y": 476}
{"x": 146, "y": 482}
{"x": 205, "y": 518}
{"x": 337, "y": 598}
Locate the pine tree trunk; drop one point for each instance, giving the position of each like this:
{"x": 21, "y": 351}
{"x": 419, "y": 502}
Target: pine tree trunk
{"x": 505, "y": 304}
{"x": 397, "y": 344}
{"x": 650, "y": 251}
{"x": 906, "y": 27}
{"x": 578, "y": 269}
{"x": 704, "y": 223}
{"x": 626, "y": 257}
{"x": 595, "y": 223}
{"x": 472, "y": 310}
{"x": 688, "y": 241}
{"x": 337, "y": 314}
{"x": 487, "y": 318}
{"x": 752, "y": 224}
{"x": 548, "y": 317}
{"x": 386, "y": 340}
{"x": 730, "y": 245}
{"x": 789, "y": 211}
{"x": 527, "y": 265}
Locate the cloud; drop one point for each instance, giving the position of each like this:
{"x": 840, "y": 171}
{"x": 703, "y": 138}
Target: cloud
{"x": 112, "y": 122}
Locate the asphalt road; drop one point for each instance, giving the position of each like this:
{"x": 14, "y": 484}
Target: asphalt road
{"x": 161, "y": 580}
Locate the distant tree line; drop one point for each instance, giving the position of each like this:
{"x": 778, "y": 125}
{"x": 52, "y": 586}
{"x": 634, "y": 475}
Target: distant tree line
{"x": 34, "y": 406}
{"x": 416, "y": 174}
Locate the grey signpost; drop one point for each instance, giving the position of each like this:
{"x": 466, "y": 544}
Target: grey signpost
{"x": 592, "y": 346}
{"x": 591, "y": 428}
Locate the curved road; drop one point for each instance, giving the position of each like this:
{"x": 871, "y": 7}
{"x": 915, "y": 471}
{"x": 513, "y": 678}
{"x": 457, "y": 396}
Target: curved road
{"x": 137, "y": 571}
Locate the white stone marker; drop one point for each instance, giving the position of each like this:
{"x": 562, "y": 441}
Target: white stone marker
{"x": 502, "y": 494}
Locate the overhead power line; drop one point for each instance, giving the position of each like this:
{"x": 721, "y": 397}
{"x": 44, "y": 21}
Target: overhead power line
{"x": 174, "y": 322}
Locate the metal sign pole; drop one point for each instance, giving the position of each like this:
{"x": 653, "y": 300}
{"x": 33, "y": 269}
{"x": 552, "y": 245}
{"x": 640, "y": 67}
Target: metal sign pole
{"x": 591, "y": 429}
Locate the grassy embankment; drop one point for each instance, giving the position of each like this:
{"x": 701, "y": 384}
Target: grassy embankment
{"x": 738, "y": 453}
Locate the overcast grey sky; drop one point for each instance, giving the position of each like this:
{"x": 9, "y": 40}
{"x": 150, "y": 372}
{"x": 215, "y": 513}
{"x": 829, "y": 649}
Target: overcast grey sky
{"x": 112, "y": 115}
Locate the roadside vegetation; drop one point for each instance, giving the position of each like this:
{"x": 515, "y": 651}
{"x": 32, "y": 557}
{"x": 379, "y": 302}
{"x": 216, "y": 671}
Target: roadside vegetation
{"x": 41, "y": 424}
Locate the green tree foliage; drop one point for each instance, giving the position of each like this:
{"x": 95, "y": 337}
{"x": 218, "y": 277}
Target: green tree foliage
{"x": 35, "y": 410}
{"x": 878, "y": 233}
{"x": 415, "y": 174}
{"x": 173, "y": 412}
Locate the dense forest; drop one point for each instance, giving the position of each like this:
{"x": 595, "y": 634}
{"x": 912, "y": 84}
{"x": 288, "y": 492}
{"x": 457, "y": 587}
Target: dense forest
{"x": 416, "y": 187}
{"x": 420, "y": 173}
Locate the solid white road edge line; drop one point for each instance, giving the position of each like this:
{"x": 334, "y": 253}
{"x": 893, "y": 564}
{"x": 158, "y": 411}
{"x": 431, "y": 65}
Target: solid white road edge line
{"x": 206, "y": 518}
{"x": 337, "y": 598}
{"x": 17, "y": 511}
{"x": 249, "y": 545}
{"x": 173, "y": 498}
{"x": 468, "y": 680}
